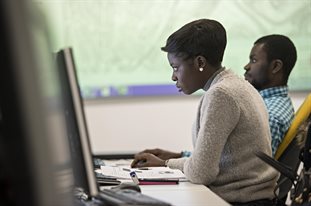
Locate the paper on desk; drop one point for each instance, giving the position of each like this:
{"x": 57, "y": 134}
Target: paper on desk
{"x": 152, "y": 172}
{"x": 119, "y": 162}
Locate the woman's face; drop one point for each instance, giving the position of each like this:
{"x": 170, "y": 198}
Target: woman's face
{"x": 184, "y": 74}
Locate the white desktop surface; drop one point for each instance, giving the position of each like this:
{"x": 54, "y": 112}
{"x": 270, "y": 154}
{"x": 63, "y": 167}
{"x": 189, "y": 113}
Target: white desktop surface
{"x": 184, "y": 194}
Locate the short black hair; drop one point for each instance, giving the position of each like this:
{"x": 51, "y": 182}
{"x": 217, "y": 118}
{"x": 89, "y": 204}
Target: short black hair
{"x": 201, "y": 37}
{"x": 280, "y": 47}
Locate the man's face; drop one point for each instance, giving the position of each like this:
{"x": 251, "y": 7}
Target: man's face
{"x": 257, "y": 71}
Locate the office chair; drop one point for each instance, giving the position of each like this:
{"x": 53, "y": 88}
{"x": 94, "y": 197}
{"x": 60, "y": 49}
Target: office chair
{"x": 289, "y": 151}
{"x": 302, "y": 193}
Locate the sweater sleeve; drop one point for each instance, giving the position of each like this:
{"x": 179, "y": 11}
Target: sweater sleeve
{"x": 219, "y": 116}
{"x": 177, "y": 163}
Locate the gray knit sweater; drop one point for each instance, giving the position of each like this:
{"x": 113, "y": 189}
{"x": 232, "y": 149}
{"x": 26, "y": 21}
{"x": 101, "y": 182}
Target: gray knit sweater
{"x": 232, "y": 123}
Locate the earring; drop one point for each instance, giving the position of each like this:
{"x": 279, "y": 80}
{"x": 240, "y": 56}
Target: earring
{"x": 201, "y": 69}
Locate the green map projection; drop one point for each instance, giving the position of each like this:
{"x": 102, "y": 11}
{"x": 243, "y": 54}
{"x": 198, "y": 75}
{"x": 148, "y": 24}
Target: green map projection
{"x": 116, "y": 43}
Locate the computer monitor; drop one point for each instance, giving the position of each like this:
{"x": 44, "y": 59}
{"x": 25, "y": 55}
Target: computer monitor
{"x": 80, "y": 142}
{"x": 76, "y": 123}
{"x": 34, "y": 152}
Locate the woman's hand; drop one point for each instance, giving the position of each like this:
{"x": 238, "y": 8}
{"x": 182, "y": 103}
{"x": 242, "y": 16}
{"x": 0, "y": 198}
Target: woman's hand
{"x": 162, "y": 154}
{"x": 147, "y": 160}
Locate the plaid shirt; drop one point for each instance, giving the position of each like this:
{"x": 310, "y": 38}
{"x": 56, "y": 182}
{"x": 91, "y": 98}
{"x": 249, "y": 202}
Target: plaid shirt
{"x": 281, "y": 113}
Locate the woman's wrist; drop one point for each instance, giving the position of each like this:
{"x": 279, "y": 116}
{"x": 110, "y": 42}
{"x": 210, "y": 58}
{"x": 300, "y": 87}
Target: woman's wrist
{"x": 185, "y": 154}
{"x": 176, "y": 155}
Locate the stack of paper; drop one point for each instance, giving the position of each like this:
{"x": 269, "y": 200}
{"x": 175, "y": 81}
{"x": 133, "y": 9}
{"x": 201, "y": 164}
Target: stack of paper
{"x": 144, "y": 173}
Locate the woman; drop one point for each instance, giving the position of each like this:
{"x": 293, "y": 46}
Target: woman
{"x": 231, "y": 123}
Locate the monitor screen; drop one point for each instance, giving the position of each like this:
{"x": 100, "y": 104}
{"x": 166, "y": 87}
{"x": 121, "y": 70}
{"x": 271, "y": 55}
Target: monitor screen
{"x": 76, "y": 123}
{"x": 34, "y": 159}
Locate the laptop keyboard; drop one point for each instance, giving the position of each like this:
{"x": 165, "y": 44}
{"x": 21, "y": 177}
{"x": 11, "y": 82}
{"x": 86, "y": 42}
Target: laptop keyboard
{"x": 128, "y": 197}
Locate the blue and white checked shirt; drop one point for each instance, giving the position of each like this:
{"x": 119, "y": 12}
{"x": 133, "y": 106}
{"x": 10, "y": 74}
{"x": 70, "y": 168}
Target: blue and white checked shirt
{"x": 281, "y": 113}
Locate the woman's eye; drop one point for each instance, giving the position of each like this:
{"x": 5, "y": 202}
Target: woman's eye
{"x": 253, "y": 60}
{"x": 174, "y": 69}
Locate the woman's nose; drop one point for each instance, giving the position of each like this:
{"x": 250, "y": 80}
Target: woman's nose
{"x": 174, "y": 78}
{"x": 246, "y": 67}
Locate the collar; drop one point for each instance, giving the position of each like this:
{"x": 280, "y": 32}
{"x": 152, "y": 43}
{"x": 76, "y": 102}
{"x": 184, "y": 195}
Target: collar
{"x": 281, "y": 91}
{"x": 210, "y": 80}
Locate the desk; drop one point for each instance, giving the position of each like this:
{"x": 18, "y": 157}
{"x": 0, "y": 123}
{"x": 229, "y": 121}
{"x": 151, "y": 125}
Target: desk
{"x": 184, "y": 194}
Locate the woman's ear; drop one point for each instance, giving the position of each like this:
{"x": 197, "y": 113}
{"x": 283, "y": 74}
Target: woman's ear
{"x": 200, "y": 61}
{"x": 277, "y": 66}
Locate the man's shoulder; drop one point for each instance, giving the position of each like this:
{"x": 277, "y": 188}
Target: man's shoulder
{"x": 278, "y": 103}
{"x": 278, "y": 100}
{"x": 280, "y": 109}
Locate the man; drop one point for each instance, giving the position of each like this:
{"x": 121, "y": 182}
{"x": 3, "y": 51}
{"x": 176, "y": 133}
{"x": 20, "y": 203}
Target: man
{"x": 272, "y": 58}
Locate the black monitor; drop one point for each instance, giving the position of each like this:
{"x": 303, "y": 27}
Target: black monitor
{"x": 34, "y": 151}
{"x": 76, "y": 123}
{"x": 84, "y": 173}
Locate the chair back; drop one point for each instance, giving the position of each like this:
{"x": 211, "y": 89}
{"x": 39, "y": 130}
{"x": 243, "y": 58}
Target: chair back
{"x": 288, "y": 151}
{"x": 300, "y": 116}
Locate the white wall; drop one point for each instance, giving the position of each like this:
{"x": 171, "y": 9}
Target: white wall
{"x": 133, "y": 124}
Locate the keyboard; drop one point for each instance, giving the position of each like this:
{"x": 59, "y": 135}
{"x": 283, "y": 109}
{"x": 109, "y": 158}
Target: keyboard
{"x": 122, "y": 197}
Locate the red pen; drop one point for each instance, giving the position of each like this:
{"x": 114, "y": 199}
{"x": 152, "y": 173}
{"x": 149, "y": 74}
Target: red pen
{"x": 153, "y": 181}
